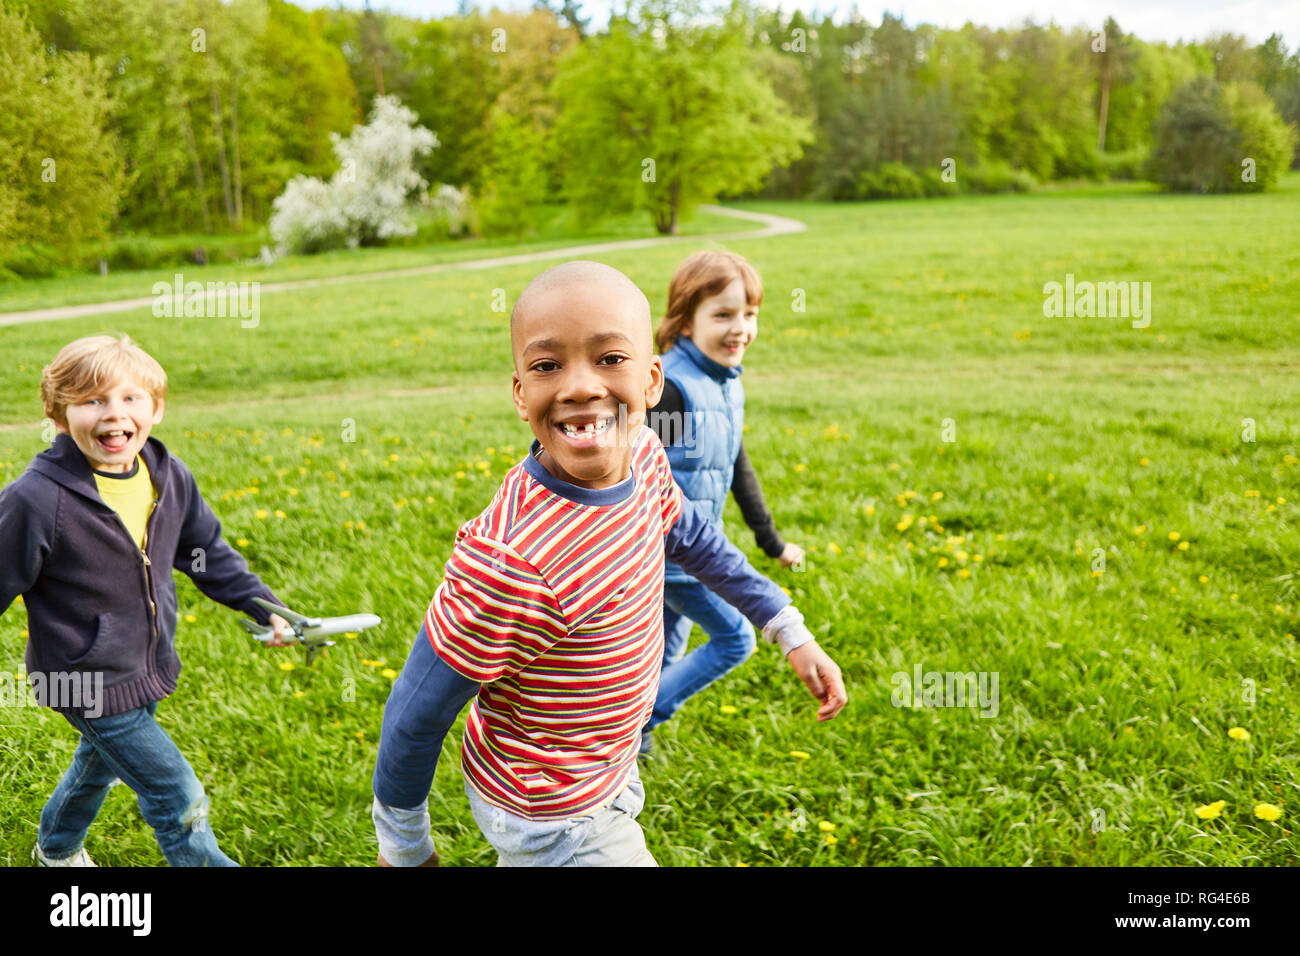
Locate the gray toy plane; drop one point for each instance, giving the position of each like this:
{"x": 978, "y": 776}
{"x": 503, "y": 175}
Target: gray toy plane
{"x": 311, "y": 632}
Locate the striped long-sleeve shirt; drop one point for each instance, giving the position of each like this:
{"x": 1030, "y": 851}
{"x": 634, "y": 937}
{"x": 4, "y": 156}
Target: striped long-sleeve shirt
{"x": 552, "y": 601}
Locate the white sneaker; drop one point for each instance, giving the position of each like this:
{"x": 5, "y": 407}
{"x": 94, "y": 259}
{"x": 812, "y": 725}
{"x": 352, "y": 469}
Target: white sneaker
{"x": 80, "y": 858}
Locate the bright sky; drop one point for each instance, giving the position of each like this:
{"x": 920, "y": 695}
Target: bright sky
{"x": 1168, "y": 20}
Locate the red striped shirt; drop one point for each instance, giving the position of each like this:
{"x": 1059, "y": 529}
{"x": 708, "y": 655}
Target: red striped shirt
{"x": 556, "y": 607}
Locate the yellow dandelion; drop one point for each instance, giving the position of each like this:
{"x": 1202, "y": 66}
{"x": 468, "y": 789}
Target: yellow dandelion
{"x": 1271, "y": 508}
{"x": 871, "y": 509}
{"x": 728, "y": 709}
{"x": 280, "y": 514}
{"x": 1183, "y": 545}
{"x": 1239, "y": 733}
{"x": 389, "y": 673}
{"x": 1252, "y": 494}
{"x": 351, "y": 635}
{"x": 1211, "y": 810}
{"x": 1144, "y": 462}
{"x": 893, "y": 466}
{"x": 1173, "y": 590}
{"x": 361, "y": 735}
{"x": 1174, "y": 535}
{"x": 261, "y": 514}
{"x": 300, "y": 693}
{"x": 1267, "y": 811}
{"x": 800, "y": 754}
{"x": 742, "y": 863}
{"x": 999, "y": 537}
{"x": 190, "y": 618}
{"x": 242, "y": 542}
{"x": 286, "y": 665}
{"x": 1232, "y": 597}
{"x": 937, "y": 496}
{"x": 963, "y": 572}
{"x": 1140, "y": 530}
{"x": 1203, "y": 579}
{"x": 345, "y": 493}
{"x": 831, "y": 839}
{"x": 1279, "y": 609}
{"x": 835, "y": 548}
{"x": 977, "y": 558}
{"x": 943, "y": 562}
{"x": 800, "y": 466}
{"x": 826, "y": 826}
{"x": 1281, "y": 501}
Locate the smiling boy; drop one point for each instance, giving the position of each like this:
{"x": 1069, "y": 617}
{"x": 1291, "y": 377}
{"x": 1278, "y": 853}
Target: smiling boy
{"x": 550, "y": 613}
{"x": 89, "y": 534}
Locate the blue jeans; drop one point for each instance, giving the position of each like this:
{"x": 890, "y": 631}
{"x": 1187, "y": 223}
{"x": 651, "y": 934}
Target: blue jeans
{"x": 131, "y": 747}
{"x": 731, "y": 641}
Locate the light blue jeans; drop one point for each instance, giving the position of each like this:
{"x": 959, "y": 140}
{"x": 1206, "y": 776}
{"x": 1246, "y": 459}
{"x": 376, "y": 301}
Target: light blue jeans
{"x": 133, "y": 748}
{"x": 609, "y": 836}
{"x": 731, "y": 641}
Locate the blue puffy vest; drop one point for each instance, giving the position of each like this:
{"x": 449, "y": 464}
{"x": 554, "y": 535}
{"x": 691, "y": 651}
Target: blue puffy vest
{"x": 704, "y": 457}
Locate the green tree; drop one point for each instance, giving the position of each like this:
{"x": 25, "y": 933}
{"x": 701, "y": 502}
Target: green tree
{"x": 1211, "y": 138}
{"x": 60, "y": 166}
{"x": 666, "y": 111}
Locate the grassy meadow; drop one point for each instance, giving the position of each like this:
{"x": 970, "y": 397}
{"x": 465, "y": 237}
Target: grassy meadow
{"x": 1073, "y": 440}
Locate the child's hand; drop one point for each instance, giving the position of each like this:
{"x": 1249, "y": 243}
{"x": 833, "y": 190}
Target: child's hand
{"x": 284, "y": 636}
{"x": 431, "y": 861}
{"x": 792, "y": 555}
{"x": 821, "y": 676}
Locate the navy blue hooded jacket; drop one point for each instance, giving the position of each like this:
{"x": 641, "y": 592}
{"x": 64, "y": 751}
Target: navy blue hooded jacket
{"x": 95, "y": 602}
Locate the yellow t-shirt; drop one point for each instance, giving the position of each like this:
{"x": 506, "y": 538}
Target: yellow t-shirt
{"x": 131, "y": 497}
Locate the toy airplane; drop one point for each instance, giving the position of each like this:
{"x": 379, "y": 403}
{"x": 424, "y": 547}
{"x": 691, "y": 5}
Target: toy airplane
{"x": 311, "y": 632}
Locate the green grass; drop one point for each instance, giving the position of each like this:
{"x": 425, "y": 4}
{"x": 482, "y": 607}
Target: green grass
{"x": 1116, "y": 691}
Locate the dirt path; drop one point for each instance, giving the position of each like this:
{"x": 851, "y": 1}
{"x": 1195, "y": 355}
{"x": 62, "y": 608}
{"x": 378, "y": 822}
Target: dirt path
{"x": 772, "y": 226}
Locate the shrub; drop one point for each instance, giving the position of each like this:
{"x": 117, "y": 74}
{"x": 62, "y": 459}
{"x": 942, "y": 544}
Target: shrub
{"x": 33, "y": 261}
{"x": 1207, "y": 136}
{"x": 1127, "y": 165}
{"x": 890, "y": 181}
{"x": 995, "y": 177}
{"x": 366, "y": 201}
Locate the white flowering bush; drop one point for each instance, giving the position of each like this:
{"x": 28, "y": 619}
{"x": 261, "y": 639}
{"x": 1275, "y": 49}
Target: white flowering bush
{"x": 452, "y": 210}
{"x": 366, "y": 201}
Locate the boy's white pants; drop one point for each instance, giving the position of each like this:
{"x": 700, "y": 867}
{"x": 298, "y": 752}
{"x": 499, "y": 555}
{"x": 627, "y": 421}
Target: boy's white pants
{"x": 609, "y": 836}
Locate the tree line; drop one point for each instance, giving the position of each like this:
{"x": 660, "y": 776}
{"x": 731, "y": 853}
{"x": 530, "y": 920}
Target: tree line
{"x": 172, "y": 116}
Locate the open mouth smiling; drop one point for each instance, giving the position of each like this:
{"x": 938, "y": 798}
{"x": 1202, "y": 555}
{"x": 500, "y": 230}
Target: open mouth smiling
{"x": 584, "y": 431}
{"x": 114, "y": 441}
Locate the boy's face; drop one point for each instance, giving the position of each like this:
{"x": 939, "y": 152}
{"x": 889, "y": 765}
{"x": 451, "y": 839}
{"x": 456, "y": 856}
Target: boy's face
{"x": 724, "y": 325}
{"x": 110, "y": 425}
{"x": 584, "y": 376}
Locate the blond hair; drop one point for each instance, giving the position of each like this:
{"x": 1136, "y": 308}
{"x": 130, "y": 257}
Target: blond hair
{"x": 702, "y": 275}
{"x": 92, "y": 365}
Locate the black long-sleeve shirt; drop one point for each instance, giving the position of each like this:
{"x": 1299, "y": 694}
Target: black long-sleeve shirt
{"x": 744, "y": 482}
